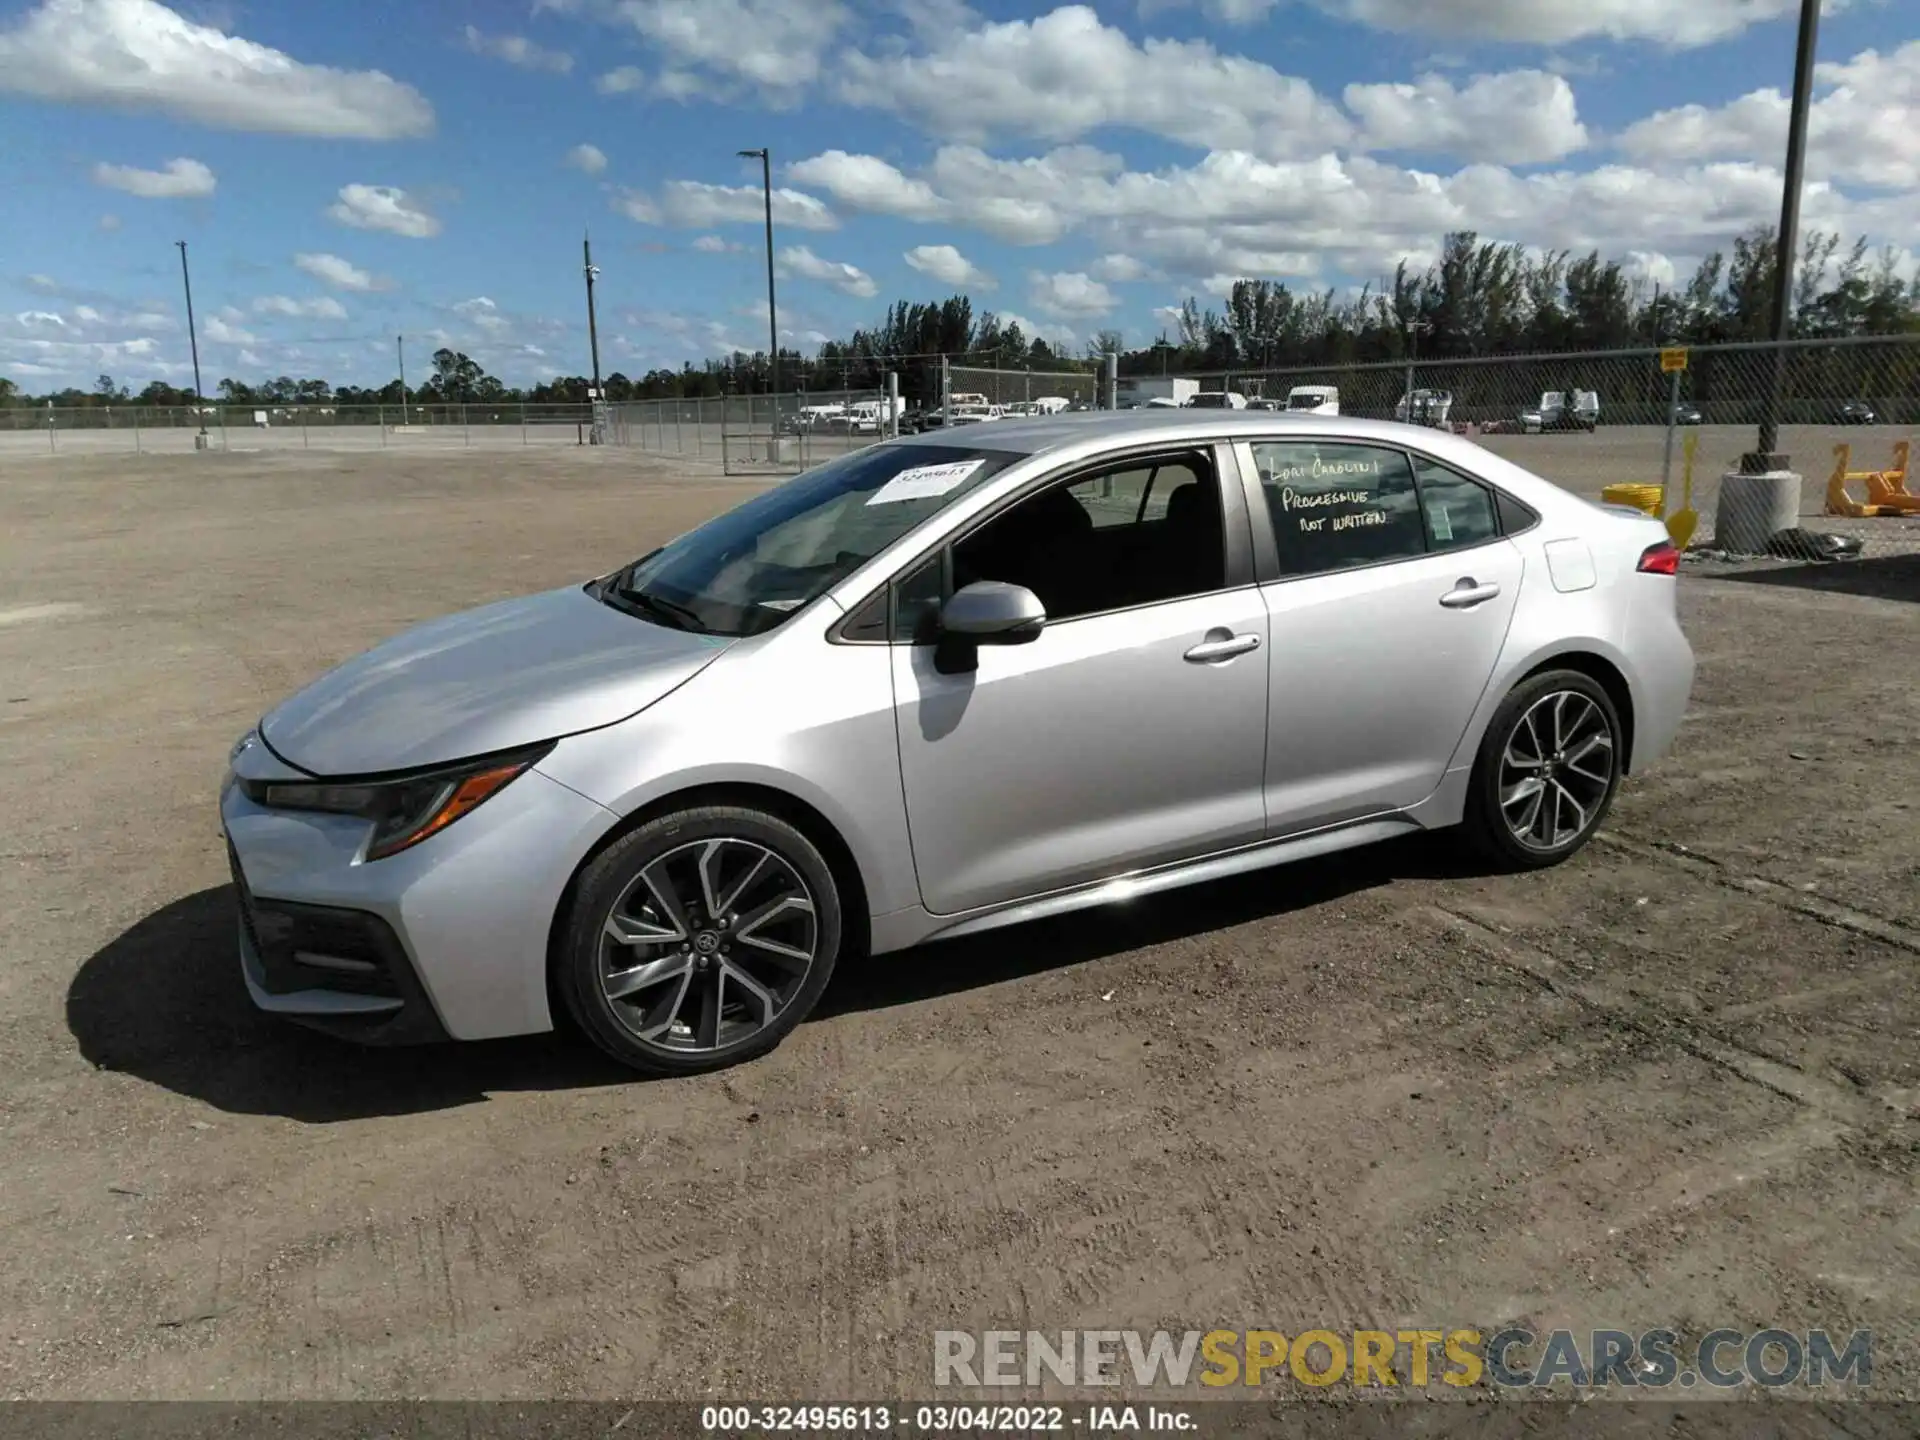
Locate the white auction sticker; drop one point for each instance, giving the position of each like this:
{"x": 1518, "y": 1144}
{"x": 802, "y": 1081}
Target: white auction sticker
{"x": 924, "y": 482}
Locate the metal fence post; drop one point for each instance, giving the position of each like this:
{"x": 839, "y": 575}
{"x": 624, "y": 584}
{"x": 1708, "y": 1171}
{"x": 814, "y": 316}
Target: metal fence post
{"x": 303, "y": 429}
{"x": 382, "y": 418}
{"x": 893, "y": 405}
{"x": 946, "y": 393}
{"x": 466, "y": 436}
{"x": 1666, "y": 465}
{"x": 136, "y": 432}
{"x": 523, "y": 422}
{"x": 1113, "y": 380}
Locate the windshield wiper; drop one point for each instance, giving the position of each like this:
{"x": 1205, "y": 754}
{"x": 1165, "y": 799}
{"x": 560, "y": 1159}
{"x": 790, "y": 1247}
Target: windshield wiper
{"x": 676, "y": 617}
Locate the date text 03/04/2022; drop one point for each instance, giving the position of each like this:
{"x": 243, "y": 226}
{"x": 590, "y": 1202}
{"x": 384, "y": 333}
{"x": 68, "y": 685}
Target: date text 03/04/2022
{"x": 944, "y": 1419}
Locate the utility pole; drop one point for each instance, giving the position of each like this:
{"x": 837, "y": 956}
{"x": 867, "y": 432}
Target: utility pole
{"x": 773, "y": 322}
{"x": 193, "y": 342}
{"x": 593, "y": 332}
{"x": 400, "y": 348}
{"x": 1767, "y": 459}
{"x": 1414, "y": 330}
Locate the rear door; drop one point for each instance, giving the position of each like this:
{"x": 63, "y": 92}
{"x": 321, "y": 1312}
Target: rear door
{"x": 1388, "y": 606}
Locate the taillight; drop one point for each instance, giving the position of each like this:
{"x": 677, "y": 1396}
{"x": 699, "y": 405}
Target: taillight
{"x": 1661, "y": 559}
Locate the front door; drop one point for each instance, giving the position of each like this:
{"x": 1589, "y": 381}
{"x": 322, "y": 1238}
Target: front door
{"x": 1387, "y": 622}
{"x": 1131, "y": 733}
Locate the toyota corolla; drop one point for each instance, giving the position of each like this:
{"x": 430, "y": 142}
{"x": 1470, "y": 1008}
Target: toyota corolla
{"x": 944, "y": 684}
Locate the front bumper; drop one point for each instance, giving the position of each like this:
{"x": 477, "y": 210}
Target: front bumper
{"x": 448, "y": 939}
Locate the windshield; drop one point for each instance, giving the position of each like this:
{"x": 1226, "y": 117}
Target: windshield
{"x": 746, "y": 571}
{"x": 1210, "y": 400}
{"x": 1307, "y": 400}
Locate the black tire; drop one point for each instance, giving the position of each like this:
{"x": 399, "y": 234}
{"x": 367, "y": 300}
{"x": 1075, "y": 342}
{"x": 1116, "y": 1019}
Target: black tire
{"x": 629, "y": 874}
{"x": 1492, "y": 827}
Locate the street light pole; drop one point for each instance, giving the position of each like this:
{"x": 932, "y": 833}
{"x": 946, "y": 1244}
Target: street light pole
{"x": 593, "y": 331}
{"x": 193, "y": 343}
{"x": 773, "y": 322}
{"x": 1767, "y": 457}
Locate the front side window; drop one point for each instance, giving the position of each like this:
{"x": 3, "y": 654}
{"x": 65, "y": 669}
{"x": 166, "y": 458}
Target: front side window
{"x": 748, "y": 570}
{"x": 1141, "y": 533}
{"x": 1334, "y": 506}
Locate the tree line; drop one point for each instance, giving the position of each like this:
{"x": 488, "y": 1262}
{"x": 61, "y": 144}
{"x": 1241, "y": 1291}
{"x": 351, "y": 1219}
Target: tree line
{"x": 1481, "y": 298}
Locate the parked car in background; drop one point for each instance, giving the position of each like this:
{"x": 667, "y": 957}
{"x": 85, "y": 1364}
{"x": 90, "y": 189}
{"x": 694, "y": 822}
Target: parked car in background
{"x": 1313, "y": 400}
{"x": 877, "y": 705}
{"x": 1687, "y": 413}
{"x": 1563, "y": 410}
{"x": 1424, "y": 407}
{"x": 1217, "y": 400}
{"x": 1857, "y": 412}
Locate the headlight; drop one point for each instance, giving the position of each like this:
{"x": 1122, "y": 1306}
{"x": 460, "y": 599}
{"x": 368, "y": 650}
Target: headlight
{"x": 406, "y": 809}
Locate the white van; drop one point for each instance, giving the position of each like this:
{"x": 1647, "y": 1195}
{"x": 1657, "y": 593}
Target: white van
{"x": 1314, "y": 400}
{"x": 1217, "y": 400}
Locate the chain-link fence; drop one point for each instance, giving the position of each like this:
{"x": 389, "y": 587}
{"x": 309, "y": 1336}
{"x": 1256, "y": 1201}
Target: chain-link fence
{"x": 758, "y": 434}
{"x": 977, "y": 393}
{"x": 1667, "y": 430}
{"x": 139, "y": 429}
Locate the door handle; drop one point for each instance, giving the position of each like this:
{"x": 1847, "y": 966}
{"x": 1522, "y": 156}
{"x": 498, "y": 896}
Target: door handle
{"x": 1467, "y": 594}
{"x": 1210, "y": 651}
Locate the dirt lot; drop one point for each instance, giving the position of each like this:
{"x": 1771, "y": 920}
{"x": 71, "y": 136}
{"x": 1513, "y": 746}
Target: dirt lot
{"x": 1676, "y": 1082}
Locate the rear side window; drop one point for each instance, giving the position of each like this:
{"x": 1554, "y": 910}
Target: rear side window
{"x": 1458, "y": 511}
{"x": 1337, "y": 506}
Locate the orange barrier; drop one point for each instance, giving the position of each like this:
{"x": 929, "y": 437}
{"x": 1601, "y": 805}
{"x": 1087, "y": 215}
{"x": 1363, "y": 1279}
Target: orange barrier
{"x": 1887, "y": 493}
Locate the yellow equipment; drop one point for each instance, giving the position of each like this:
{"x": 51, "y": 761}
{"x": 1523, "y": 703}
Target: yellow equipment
{"x": 1681, "y": 524}
{"x": 1639, "y": 497}
{"x": 1887, "y": 492}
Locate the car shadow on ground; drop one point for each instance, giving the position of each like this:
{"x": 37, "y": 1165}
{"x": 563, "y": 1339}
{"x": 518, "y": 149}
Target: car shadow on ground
{"x": 1879, "y": 577}
{"x": 165, "y": 1002}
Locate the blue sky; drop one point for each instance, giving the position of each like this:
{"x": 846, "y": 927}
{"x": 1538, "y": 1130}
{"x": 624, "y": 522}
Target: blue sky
{"x": 345, "y": 173}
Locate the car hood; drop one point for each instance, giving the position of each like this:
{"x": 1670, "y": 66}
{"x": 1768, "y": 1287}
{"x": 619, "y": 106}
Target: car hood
{"x": 508, "y": 674}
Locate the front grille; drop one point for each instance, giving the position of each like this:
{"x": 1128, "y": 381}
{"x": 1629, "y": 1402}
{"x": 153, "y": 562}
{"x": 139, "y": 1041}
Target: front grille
{"x": 244, "y": 896}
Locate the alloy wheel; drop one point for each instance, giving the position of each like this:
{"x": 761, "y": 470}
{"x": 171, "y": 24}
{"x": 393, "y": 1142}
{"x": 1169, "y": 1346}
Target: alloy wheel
{"x": 708, "y": 945}
{"x": 1556, "y": 771}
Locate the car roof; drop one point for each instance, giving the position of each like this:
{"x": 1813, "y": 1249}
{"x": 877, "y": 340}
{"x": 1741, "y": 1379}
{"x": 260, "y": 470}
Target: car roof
{"x": 1033, "y": 436}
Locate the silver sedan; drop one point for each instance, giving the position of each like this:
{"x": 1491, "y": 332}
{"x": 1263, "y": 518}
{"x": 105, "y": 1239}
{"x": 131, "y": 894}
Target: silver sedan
{"x": 942, "y": 685}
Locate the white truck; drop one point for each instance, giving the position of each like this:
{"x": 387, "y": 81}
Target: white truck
{"x": 1425, "y": 407}
{"x": 1563, "y": 410}
{"x": 1314, "y": 400}
{"x": 1139, "y": 391}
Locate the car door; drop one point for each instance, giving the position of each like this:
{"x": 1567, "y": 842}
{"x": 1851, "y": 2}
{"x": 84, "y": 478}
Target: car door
{"x": 1132, "y": 731}
{"x": 1391, "y": 592}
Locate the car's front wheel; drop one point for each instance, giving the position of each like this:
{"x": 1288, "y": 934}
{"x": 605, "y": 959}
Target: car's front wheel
{"x": 700, "y": 939}
{"x": 1548, "y": 769}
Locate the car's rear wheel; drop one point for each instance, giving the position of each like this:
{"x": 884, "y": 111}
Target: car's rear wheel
{"x": 1547, "y": 771}
{"x": 700, "y": 940}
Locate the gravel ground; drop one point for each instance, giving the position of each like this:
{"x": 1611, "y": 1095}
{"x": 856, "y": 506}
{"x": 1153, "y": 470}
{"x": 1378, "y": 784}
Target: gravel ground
{"x": 1675, "y": 1082}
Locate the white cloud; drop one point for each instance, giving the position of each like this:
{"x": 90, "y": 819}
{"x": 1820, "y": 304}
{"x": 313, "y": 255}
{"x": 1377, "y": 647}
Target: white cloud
{"x": 1070, "y": 294}
{"x": 693, "y": 204}
{"x": 109, "y": 222}
{"x": 179, "y": 180}
{"x": 621, "y": 81}
{"x": 223, "y": 330}
{"x": 323, "y": 307}
{"x": 1522, "y": 117}
{"x": 341, "y": 274}
{"x": 1066, "y": 74}
{"x": 518, "y": 50}
{"x": 139, "y": 55}
{"x": 716, "y": 245}
{"x": 847, "y": 279}
{"x": 1060, "y": 336}
{"x": 480, "y": 311}
{"x": 590, "y": 159}
{"x": 776, "y": 48}
{"x": 866, "y": 182}
{"x": 947, "y": 265}
{"x": 1120, "y": 269}
{"x": 1865, "y": 128}
{"x": 1557, "y": 22}
{"x": 383, "y": 207}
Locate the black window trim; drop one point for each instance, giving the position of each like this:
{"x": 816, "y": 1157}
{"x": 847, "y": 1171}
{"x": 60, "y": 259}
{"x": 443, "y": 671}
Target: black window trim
{"x": 1267, "y": 551}
{"x": 1242, "y": 538}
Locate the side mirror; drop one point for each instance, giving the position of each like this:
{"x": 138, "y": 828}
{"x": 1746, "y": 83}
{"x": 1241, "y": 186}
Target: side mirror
{"x": 987, "y": 612}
